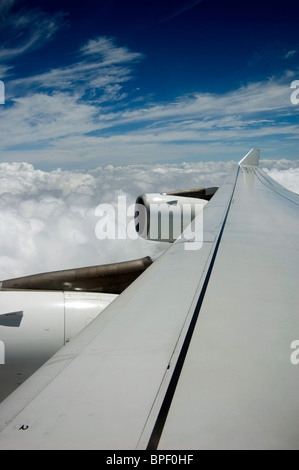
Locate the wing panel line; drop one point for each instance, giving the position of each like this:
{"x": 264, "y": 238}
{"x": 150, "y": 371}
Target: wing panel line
{"x": 161, "y": 419}
{"x": 260, "y": 174}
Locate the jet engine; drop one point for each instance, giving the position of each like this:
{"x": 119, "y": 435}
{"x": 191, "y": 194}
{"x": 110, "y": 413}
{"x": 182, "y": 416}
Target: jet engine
{"x": 41, "y": 313}
{"x": 164, "y": 216}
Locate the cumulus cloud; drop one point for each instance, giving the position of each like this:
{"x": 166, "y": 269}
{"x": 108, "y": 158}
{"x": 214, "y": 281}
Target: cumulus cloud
{"x": 286, "y": 177}
{"x": 48, "y": 221}
{"x": 48, "y": 218}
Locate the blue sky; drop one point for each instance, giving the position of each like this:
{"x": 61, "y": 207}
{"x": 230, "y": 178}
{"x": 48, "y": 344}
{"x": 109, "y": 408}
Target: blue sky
{"x": 123, "y": 82}
{"x": 114, "y": 97}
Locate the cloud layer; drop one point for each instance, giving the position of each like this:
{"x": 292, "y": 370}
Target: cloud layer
{"x": 48, "y": 221}
{"x": 62, "y": 129}
{"x": 91, "y": 110}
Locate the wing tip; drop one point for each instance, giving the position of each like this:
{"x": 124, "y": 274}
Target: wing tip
{"x": 251, "y": 159}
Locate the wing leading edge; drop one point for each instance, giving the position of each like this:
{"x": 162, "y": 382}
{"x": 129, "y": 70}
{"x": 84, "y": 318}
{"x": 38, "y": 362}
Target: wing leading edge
{"x": 195, "y": 353}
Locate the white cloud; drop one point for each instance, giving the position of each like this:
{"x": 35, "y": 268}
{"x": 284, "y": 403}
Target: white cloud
{"x": 48, "y": 222}
{"x": 5, "y": 71}
{"x": 47, "y": 219}
{"x": 84, "y": 114}
{"x": 61, "y": 127}
{"x": 288, "y": 178}
{"x": 5, "y": 7}
{"x": 101, "y": 66}
{"x": 290, "y": 54}
{"x": 26, "y": 31}
{"x": 42, "y": 117}
{"x": 104, "y": 48}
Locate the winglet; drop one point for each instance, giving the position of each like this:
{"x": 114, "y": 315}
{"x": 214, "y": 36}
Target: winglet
{"x": 251, "y": 159}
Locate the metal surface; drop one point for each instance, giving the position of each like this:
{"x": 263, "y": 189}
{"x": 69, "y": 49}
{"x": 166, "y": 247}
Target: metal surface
{"x": 201, "y": 193}
{"x": 195, "y": 353}
{"x": 109, "y": 278}
{"x": 238, "y": 388}
{"x": 34, "y": 325}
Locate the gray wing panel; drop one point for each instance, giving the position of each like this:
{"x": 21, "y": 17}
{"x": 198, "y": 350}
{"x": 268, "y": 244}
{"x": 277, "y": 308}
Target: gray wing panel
{"x": 194, "y": 354}
{"x": 238, "y": 388}
{"x": 105, "y": 388}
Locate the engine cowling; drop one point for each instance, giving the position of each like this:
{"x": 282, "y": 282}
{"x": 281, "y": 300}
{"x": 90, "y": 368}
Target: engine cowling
{"x": 35, "y": 325}
{"x": 163, "y": 217}
{"x": 39, "y": 313}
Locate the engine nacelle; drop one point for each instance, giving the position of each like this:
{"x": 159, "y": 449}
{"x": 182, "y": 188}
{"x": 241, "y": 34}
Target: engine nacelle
{"x": 163, "y": 217}
{"x": 35, "y": 325}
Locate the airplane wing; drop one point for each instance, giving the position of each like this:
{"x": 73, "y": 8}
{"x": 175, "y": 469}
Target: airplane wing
{"x": 195, "y": 354}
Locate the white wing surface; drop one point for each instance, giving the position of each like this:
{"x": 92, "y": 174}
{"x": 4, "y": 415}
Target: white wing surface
{"x": 195, "y": 354}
